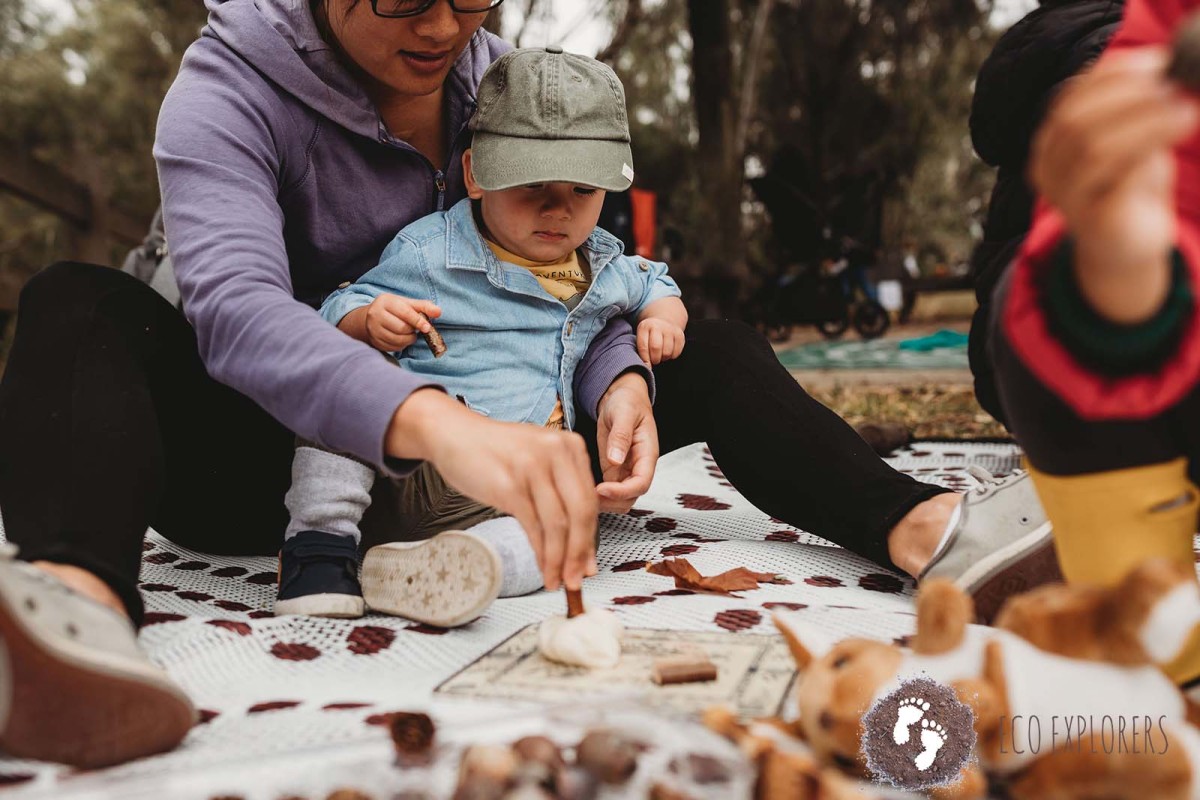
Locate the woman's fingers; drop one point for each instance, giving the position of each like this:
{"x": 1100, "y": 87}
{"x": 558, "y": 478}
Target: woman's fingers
{"x": 554, "y": 520}
{"x": 573, "y": 479}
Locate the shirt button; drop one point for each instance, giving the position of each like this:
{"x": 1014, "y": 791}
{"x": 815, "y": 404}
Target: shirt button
{"x": 344, "y": 285}
{"x": 643, "y": 266}
{"x": 570, "y": 327}
{"x": 554, "y": 49}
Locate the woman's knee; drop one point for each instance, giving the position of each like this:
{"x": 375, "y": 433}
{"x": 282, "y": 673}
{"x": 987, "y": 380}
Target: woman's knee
{"x": 65, "y": 283}
{"x": 725, "y": 338}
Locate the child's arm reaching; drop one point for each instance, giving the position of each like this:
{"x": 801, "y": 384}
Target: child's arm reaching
{"x": 390, "y": 323}
{"x": 660, "y": 335}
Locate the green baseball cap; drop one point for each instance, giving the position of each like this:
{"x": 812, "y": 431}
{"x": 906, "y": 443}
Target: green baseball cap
{"x": 545, "y": 116}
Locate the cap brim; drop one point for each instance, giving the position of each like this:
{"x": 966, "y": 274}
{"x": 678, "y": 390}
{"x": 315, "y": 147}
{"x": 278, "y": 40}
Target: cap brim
{"x": 502, "y": 162}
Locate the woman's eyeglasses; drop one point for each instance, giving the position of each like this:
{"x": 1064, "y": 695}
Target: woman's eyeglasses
{"x": 410, "y": 8}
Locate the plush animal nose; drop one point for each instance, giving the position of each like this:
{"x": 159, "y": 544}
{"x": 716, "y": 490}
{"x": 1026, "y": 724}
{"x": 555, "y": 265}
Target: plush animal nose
{"x": 826, "y": 720}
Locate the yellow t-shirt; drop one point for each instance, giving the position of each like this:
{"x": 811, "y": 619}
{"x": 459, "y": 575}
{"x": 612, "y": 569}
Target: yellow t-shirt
{"x": 565, "y": 280}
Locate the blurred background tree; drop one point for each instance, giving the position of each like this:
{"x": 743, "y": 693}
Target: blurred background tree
{"x": 768, "y": 128}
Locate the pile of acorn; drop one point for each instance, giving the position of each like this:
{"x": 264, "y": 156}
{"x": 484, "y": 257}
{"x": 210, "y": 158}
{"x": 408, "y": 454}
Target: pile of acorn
{"x": 536, "y": 768}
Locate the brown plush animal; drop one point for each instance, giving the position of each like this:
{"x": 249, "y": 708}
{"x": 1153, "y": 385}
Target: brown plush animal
{"x": 1097, "y": 662}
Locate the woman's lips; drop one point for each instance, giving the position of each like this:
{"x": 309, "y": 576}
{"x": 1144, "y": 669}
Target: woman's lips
{"x": 425, "y": 62}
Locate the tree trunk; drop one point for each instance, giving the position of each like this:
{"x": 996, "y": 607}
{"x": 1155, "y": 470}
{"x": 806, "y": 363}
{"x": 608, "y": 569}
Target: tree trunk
{"x": 721, "y": 169}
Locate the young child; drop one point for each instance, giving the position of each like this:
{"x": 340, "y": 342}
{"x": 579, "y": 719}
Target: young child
{"x": 1097, "y": 336}
{"x": 519, "y": 281}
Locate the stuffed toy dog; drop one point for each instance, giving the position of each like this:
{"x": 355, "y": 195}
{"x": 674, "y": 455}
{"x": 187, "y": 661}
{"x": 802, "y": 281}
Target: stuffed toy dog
{"x": 1088, "y": 660}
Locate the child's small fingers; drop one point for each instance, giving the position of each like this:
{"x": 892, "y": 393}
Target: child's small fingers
{"x": 428, "y": 308}
{"x": 656, "y": 346}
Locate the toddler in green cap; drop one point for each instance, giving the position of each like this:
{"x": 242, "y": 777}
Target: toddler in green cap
{"x": 520, "y": 281}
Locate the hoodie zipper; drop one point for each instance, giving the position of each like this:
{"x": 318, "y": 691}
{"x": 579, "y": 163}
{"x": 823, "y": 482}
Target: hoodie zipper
{"x": 439, "y": 183}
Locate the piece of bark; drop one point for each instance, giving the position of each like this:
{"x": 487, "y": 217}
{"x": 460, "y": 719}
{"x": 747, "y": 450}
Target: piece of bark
{"x": 434, "y": 339}
{"x": 348, "y": 794}
{"x": 1185, "y": 55}
{"x": 735, "y": 580}
{"x": 683, "y": 669}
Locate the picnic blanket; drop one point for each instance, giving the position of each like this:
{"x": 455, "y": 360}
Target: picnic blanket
{"x": 292, "y": 705}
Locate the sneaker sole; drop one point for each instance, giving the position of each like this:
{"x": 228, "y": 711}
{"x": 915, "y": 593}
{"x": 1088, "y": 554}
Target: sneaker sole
{"x": 72, "y": 705}
{"x": 1025, "y": 564}
{"x": 330, "y": 606}
{"x": 447, "y": 581}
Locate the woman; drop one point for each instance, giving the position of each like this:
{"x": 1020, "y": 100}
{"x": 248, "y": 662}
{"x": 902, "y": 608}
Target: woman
{"x": 296, "y": 140}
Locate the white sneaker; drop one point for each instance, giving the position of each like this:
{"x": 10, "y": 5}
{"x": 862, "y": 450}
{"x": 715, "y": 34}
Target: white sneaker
{"x": 446, "y": 581}
{"x": 74, "y": 687}
{"x": 1003, "y": 544}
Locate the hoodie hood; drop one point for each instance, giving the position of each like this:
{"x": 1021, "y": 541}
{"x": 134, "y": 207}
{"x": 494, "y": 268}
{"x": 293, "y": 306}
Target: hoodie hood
{"x": 1024, "y": 70}
{"x": 280, "y": 39}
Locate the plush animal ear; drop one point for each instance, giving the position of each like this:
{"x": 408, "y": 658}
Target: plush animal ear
{"x": 943, "y": 613}
{"x": 806, "y": 641}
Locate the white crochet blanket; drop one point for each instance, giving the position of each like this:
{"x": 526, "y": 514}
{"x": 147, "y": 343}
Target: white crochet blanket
{"x": 288, "y": 704}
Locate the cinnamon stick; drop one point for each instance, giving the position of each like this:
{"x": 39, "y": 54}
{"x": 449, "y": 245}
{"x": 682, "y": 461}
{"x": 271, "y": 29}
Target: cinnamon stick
{"x": 434, "y": 339}
{"x": 574, "y": 602}
{"x": 683, "y": 669}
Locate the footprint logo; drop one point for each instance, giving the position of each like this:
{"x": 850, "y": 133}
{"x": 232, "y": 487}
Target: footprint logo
{"x": 911, "y": 710}
{"x": 933, "y": 737}
{"x": 919, "y": 736}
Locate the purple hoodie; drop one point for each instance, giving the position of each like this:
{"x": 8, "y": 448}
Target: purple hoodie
{"x": 279, "y": 182}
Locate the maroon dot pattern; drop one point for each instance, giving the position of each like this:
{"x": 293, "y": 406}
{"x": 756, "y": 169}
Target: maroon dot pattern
{"x": 639, "y": 512}
{"x": 161, "y": 557}
{"x": 260, "y": 614}
{"x": 429, "y": 630}
{"x": 661, "y": 525}
{"x": 159, "y": 617}
{"x": 13, "y": 778}
{"x": 632, "y": 600}
{"x": 367, "y": 640}
{"x": 262, "y": 578}
{"x": 240, "y": 628}
{"x": 197, "y": 596}
{"x": 147, "y": 546}
{"x": 782, "y": 536}
{"x": 193, "y": 566}
{"x": 674, "y": 593}
{"x": 229, "y": 572}
{"x": 824, "y": 580}
{"x": 159, "y": 587}
{"x": 231, "y": 605}
{"x": 294, "y": 651}
{"x": 738, "y": 619}
{"x": 699, "y": 502}
{"x": 692, "y": 536}
{"x": 274, "y": 705}
{"x": 206, "y": 716}
{"x": 881, "y": 582}
{"x": 781, "y": 606}
{"x": 679, "y": 549}
{"x": 629, "y": 566}
{"x": 343, "y": 706}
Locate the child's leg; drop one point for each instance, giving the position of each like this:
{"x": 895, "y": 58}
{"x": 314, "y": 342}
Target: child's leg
{"x": 329, "y": 493}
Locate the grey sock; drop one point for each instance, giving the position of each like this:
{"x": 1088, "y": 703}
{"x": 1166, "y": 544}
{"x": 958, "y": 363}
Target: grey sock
{"x": 521, "y": 573}
{"x": 329, "y": 493}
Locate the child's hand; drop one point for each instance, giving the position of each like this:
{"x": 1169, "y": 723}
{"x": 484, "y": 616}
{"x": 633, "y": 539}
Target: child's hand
{"x": 393, "y": 322}
{"x": 1103, "y": 158}
{"x": 659, "y": 340}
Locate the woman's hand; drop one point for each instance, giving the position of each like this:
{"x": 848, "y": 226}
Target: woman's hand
{"x": 1103, "y": 158}
{"x": 391, "y": 323}
{"x": 542, "y": 477}
{"x": 628, "y": 443}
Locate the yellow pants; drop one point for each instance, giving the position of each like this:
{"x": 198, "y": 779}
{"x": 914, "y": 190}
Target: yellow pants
{"x": 1107, "y": 523}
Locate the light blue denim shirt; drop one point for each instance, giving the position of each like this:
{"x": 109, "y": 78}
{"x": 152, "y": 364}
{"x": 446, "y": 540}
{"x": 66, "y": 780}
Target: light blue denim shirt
{"x": 512, "y": 348}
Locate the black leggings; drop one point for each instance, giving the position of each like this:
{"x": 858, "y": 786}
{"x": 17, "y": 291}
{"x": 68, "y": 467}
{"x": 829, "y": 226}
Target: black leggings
{"x": 109, "y": 424}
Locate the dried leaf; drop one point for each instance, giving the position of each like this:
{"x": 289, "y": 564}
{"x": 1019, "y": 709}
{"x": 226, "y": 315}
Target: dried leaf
{"x": 735, "y": 580}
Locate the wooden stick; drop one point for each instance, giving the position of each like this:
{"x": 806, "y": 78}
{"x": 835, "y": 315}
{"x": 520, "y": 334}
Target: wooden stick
{"x": 574, "y": 602}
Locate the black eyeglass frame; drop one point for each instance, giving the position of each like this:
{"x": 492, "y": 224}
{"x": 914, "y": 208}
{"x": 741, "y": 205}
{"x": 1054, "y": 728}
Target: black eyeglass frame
{"x": 430, "y": 4}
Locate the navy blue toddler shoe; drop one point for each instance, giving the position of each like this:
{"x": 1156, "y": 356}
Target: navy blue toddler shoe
{"x": 318, "y": 577}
